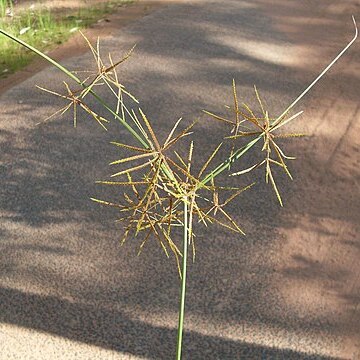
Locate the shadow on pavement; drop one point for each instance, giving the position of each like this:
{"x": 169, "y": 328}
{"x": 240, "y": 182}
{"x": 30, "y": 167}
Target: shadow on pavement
{"x": 115, "y": 330}
{"x": 54, "y": 238}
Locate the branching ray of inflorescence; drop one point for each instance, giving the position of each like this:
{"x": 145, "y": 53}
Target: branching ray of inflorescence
{"x": 153, "y": 199}
{"x": 264, "y": 128}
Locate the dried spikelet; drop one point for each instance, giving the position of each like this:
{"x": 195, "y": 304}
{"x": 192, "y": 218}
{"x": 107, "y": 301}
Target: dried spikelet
{"x": 262, "y": 127}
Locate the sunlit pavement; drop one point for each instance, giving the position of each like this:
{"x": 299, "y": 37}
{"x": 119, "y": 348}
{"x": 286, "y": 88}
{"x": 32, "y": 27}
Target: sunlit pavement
{"x": 288, "y": 290}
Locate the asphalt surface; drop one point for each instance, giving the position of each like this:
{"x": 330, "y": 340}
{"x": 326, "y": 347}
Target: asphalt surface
{"x": 288, "y": 290}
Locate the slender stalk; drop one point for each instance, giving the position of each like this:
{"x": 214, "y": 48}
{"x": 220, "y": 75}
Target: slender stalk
{"x": 136, "y": 136}
{"x": 77, "y": 80}
{"x": 225, "y": 164}
{"x": 319, "y": 76}
{"x": 235, "y": 156}
{"x": 183, "y": 283}
{"x": 240, "y": 152}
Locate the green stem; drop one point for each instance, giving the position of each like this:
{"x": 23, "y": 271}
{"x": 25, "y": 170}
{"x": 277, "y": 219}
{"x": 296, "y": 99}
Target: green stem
{"x": 225, "y": 164}
{"x": 240, "y": 152}
{"x": 183, "y": 284}
{"x": 77, "y": 80}
{"x": 72, "y": 76}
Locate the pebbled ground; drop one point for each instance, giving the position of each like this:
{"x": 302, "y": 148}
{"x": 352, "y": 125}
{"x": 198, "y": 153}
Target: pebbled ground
{"x": 290, "y": 289}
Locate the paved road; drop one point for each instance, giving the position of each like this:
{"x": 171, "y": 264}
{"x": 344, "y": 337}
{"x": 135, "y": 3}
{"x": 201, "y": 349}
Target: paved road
{"x": 289, "y": 290}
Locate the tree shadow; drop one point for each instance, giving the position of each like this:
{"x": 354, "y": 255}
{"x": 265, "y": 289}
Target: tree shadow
{"x": 116, "y": 331}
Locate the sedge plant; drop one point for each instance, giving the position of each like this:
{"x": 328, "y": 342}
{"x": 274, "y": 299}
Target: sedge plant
{"x": 160, "y": 188}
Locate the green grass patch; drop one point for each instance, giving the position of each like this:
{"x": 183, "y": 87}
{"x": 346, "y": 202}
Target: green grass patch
{"x": 43, "y": 29}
